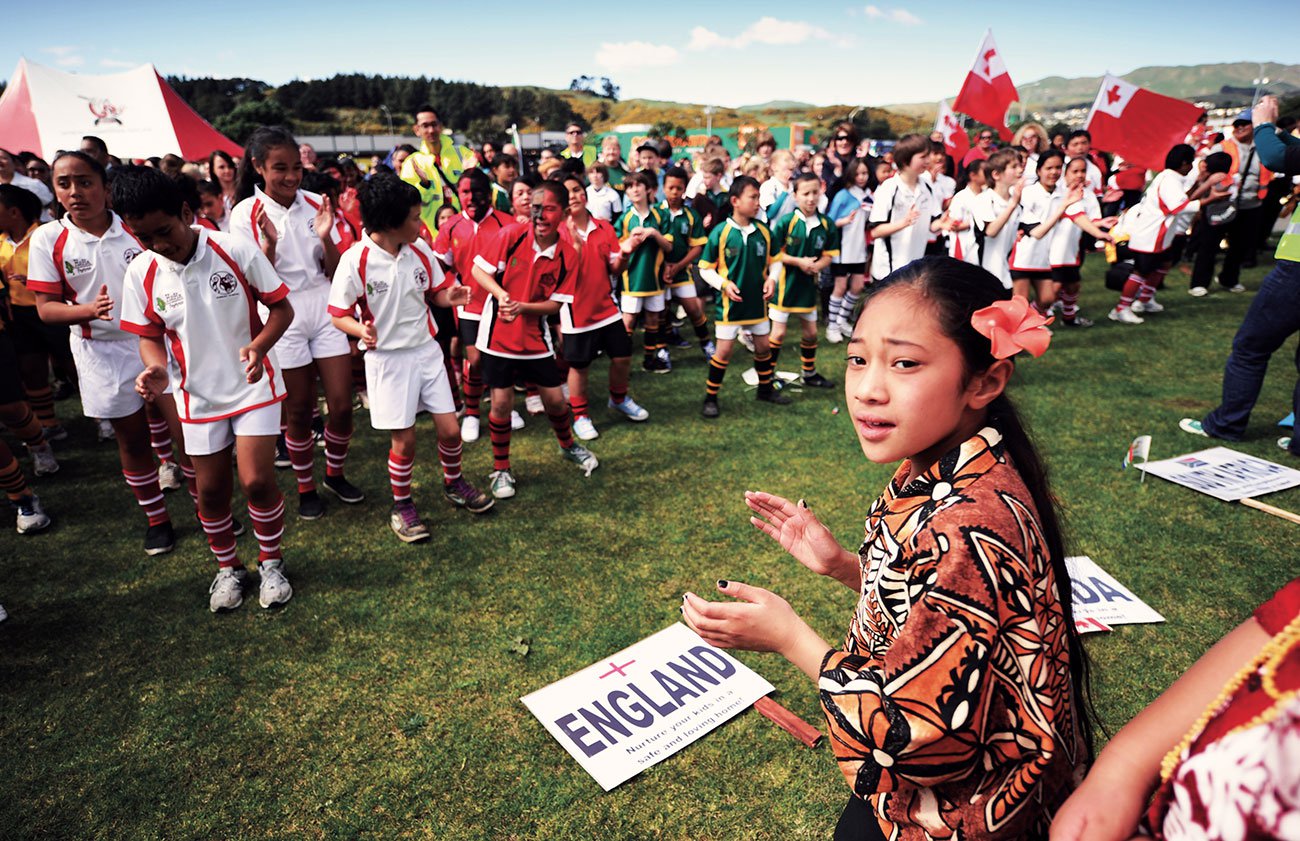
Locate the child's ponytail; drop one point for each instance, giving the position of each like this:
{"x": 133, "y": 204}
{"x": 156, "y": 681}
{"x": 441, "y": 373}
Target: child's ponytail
{"x": 263, "y": 139}
{"x": 957, "y": 289}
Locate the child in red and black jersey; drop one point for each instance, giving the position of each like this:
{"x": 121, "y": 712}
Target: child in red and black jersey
{"x": 591, "y": 323}
{"x": 528, "y": 273}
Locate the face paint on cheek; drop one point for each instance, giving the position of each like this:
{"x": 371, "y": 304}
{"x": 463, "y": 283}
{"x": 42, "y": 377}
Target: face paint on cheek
{"x": 536, "y": 212}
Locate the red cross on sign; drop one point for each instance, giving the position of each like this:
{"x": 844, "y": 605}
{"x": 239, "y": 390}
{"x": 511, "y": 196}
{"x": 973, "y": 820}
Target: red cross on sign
{"x": 1112, "y": 95}
{"x": 988, "y": 62}
{"x": 614, "y": 669}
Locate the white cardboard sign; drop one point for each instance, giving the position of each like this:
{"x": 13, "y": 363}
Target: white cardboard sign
{"x": 635, "y": 708}
{"x": 1101, "y": 602}
{"x": 1224, "y": 474}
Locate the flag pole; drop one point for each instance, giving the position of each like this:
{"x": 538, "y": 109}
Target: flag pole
{"x": 1270, "y": 509}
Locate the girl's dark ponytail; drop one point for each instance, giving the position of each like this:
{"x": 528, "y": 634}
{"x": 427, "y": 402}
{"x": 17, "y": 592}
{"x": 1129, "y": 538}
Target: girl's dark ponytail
{"x": 263, "y": 139}
{"x": 956, "y": 290}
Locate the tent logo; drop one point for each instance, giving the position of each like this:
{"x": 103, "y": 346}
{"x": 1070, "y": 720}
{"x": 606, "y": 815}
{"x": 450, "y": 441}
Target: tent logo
{"x": 104, "y": 110}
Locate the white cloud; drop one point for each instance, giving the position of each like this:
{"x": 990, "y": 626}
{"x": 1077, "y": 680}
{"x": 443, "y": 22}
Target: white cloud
{"x": 902, "y": 16}
{"x": 627, "y": 55}
{"x": 65, "y": 56}
{"x": 765, "y": 30}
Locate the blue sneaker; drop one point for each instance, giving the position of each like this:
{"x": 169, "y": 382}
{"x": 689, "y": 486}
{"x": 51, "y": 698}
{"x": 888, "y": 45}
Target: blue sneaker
{"x": 709, "y": 349}
{"x": 630, "y": 409}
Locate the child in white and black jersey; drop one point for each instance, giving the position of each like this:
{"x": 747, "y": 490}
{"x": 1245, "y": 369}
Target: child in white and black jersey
{"x": 997, "y": 213}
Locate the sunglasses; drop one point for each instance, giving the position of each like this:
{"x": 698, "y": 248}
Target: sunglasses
{"x": 986, "y": 137}
{"x": 840, "y": 137}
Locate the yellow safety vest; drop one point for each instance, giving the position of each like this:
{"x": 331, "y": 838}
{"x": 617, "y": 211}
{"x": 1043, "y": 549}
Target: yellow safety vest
{"x": 452, "y": 161}
{"x": 1288, "y": 248}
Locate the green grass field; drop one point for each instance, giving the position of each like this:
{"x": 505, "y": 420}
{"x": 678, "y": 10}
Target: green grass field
{"x": 383, "y": 700}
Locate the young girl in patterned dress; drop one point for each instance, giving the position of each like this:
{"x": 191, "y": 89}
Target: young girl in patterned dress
{"x": 954, "y": 706}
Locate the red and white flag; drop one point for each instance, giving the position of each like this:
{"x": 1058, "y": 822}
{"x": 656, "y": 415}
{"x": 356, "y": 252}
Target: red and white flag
{"x": 955, "y": 140}
{"x": 1139, "y": 125}
{"x": 988, "y": 91}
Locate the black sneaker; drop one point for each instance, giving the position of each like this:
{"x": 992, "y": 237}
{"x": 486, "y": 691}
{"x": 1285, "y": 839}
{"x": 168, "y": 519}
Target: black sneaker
{"x": 710, "y": 409}
{"x": 236, "y": 527}
{"x": 318, "y": 430}
{"x": 664, "y": 360}
{"x": 160, "y": 539}
{"x": 654, "y": 365}
{"x": 311, "y": 506}
{"x": 675, "y": 338}
{"x": 344, "y": 490}
{"x": 282, "y": 460}
{"x": 771, "y": 395}
{"x": 816, "y": 380}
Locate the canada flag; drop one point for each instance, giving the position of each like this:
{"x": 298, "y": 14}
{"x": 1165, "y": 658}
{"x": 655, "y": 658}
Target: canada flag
{"x": 988, "y": 91}
{"x": 955, "y": 140}
{"x": 1139, "y": 125}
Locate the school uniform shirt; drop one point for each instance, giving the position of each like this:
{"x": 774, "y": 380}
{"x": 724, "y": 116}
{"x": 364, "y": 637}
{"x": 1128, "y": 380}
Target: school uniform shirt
{"x": 530, "y": 275}
{"x": 14, "y": 257}
{"x": 796, "y": 235}
{"x": 995, "y": 251}
{"x": 390, "y": 291}
{"x": 605, "y": 203}
{"x": 592, "y": 305}
{"x": 740, "y": 256}
{"x": 1150, "y": 223}
{"x": 893, "y": 200}
{"x": 73, "y": 265}
{"x": 1066, "y": 248}
{"x": 853, "y": 236}
{"x": 459, "y": 240}
{"x": 1092, "y": 180}
{"x": 299, "y": 253}
{"x": 962, "y": 245}
{"x": 687, "y": 229}
{"x": 950, "y": 706}
{"x": 1036, "y": 206}
{"x": 1031, "y": 169}
{"x": 206, "y": 310}
{"x": 643, "y": 276}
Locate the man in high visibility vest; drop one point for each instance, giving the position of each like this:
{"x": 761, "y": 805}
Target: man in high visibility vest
{"x": 575, "y": 136}
{"x": 1274, "y": 315}
{"x": 1252, "y": 178}
{"x": 436, "y": 167}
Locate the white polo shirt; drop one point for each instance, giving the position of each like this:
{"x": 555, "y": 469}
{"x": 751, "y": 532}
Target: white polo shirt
{"x": 299, "y": 254}
{"x": 961, "y": 244}
{"x": 207, "y": 310}
{"x": 893, "y": 200}
{"x": 1151, "y": 223}
{"x": 995, "y": 251}
{"x": 389, "y": 291}
{"x": 1036, "y": 206}
{"x": 70, "y": 263}
{"x": 1066, "y": 236}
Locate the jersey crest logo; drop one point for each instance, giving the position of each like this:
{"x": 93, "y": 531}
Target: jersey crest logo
{"x": 167, "y": 300}
{"x": 421, "y": 277}
{"x": 223, "y": 284}
{"x": 377, "y": 287}
{"x": 130, "y": 254}
{"x": 77, "y": 265}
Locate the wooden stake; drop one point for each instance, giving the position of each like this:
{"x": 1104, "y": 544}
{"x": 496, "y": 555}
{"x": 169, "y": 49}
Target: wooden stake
{"x": 1270, "y": 509}
{"x": 788, "y": 721}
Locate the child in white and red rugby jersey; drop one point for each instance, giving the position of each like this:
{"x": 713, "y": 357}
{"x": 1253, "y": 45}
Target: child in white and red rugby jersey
{"x": 392, "y": 276}
{"x": 75, "y": 267}
{"x": 591, "y": 323}
{"x": 196, "y": 292}
{"x": 458, "y": 241}
{"x": 529, "y": 272}
{"x": 296, "y": 231}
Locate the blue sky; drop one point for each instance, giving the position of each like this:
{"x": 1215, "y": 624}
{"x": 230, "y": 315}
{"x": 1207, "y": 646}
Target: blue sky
{"x": 725, "y": 54}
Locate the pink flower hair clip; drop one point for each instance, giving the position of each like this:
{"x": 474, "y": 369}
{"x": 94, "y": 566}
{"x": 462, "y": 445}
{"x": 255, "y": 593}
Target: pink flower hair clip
{"x": 1012, "y": 326}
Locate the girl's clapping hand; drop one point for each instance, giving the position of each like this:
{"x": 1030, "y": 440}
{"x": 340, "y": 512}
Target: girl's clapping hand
{"x": 760, "y": 621}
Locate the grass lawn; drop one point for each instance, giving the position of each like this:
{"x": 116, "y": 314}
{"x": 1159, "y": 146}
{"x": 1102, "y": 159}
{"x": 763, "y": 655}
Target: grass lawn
{"x": 383, "y": 700}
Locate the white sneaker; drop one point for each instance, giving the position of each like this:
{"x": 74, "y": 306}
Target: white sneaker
{"x": 833, "y": 334}
{"x": 1125, "y": 316}
{"x": 227, "y": 590}
{"x": 43, "y": 461}
{"x": 469, "y": 429}
{"x": 630, "y": 409}
{"x": 747, "y": 339}
{"x": 1193, "y": 427}
{"x": 1238, "y": 289}
{"x": 517, "y": 420}
{"x": 1148, "y": 306}
{"x": 583, "y": 457}
{"x": 501, "y": 483}
{"x": 533, "y": 403}
{"x": 275, "y": 587}
{"x": 1284, "y": 442}
{"x": 31, "y": 517}
{"x": 170, "y": 477}
{"x": 104, "y": 431}
{"x": 1198, "y": 291}
{"x": 585, "y": 429}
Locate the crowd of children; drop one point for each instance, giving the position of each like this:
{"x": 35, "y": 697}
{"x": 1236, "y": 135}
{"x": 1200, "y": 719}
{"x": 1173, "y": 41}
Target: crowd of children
{"x": 204, "y": 321}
